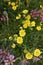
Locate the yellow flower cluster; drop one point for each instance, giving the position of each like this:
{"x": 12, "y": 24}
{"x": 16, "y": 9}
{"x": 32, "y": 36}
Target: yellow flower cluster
{"x": 18, "y": 39}
{"x": 13, "y": 4}
{"x": 22, "y": 33}
{"x": 28, "y": 17}
{"x": 10, "y": 39}
{"x": 29, "y": 55}
{"x": 26, "y": 23}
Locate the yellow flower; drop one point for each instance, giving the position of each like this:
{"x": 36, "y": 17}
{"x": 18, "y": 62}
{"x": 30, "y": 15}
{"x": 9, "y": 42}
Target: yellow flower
{"x": 13, "y": 45}
{"x": 22, "y": 33}
{"x": 21, "y": 27}
{"x": 28, "y": 22}
{"x": 19, "y": 40}
{"x": 9, "y": 3}
{"x": 29, "y": 56}
{"x": 32, "y": 24}
{"x": 28, "y": 17}
{"x": 25, "y": 25}
{"x": 14, "y": 7}
{"x": 37, "y": 52}
{"x": 13, "y": 3}
{"x": 38, "y": 28}
{"x": 18, "y": 17}
{"x": 10, "y": 38}
{"x": 25, "y": 11}
{"x": 41, "y": 6}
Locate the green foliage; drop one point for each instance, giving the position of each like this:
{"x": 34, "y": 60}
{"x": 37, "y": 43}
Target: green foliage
{"x": 33, "y": 38}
